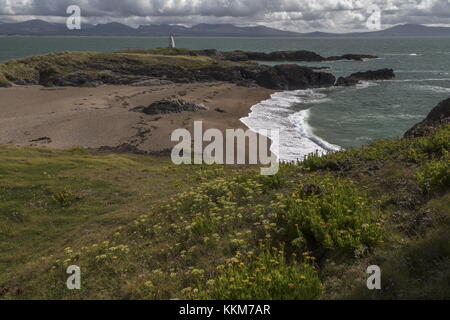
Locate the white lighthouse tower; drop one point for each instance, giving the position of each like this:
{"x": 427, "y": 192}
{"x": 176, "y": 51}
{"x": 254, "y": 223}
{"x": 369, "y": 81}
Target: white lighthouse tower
{"x": 172, "y": 42}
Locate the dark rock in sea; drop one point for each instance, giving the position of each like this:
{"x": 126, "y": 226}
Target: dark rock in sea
{"x": 355, "y": 57}
{"x": 346, "y": 82}
{"x": 300, "y": 55}
{"x": 170, "y": 106}
{"x": 320, "y": 68}
{"x": 293, "y": 77}
{"x": 353, "y": 79}
{"x": 382, "y": 74}
{"x": 437, "y": 118}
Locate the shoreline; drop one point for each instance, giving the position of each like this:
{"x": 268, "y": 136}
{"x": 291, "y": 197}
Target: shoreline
{"x": 101, "y": 118}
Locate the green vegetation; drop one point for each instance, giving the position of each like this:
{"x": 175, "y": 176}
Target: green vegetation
{"x": 44, "y": 69}
{"x": 433, "y": 177}
{"x": 162, "y": 51}
{"x": 409, "y": 151}
{"x": 142, "y": 228}
{"x": 327, "y": 214}
{"x": 264, "y": 277}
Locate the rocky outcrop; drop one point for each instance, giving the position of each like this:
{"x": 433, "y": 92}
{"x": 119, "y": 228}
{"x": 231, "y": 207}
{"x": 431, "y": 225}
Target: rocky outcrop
{"x": 354, "y": 57}
{"x": 85, "y": 79}
{"x": 5, "y": 85}
{"x": 438, "y": 117}
{"x": 300, "y": 56}
{"x": 282, "y": 77}
{"x": 293, "y": 77}
{"x": 382, "y": 74}
{"x": 353, "y": 79}
{"x": 170, "y": 106}
{"x": 346, "y": 82}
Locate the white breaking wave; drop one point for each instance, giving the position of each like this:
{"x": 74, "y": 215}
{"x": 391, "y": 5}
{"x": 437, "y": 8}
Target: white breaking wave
{"x": 436, "y": 89}
{"x": 403, "y": 54}
{"x": 418, "y": 80}
{"x": 297, "y": 139}
{"x": 423, "y": 71}
{"x": 366, "y": 84}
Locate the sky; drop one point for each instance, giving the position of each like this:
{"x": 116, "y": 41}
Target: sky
{"x": 293, "y": 15}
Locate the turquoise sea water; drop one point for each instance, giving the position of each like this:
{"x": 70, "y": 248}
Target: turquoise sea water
{"x": 323, "y": 119}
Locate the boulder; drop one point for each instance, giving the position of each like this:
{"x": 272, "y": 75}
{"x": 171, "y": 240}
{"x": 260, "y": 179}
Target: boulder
{"x": 77, "y": 79}
{"x": 437, "y": 118}
{"x": 293, "y": 77}
{"x": 353, "y": 79}
{"x": 346, "y": 82}
{"x": 5, "y": 85}
{"x": 247, "y": 84}
{"x": 169, "y": 106}
{"x": 151, "y": 82}
{"x": 382, "y": 74}
{"x": 294, "y": 55}
{"x": 355, "y": 57}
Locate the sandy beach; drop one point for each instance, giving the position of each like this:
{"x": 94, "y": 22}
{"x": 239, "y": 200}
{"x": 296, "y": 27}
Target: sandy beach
{"x": 102, "y": 117}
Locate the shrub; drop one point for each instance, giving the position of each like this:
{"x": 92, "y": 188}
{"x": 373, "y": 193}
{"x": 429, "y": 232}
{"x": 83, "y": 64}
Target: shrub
{"x": 436, "y": 143}
{"x": 409, "y": 150}
{"x": 434, "y": 176}
{"x": 267, "y": 276}
{"x": 65, "y": 198}
{"x": 326, "y": 213}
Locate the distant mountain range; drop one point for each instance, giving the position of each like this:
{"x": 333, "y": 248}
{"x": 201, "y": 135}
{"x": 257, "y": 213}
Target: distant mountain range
{"x": 42, "y": 28}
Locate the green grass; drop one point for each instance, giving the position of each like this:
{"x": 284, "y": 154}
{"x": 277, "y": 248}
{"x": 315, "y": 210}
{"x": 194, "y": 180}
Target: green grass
{"x": 162, "y": 51}
{"x": 142, "y": 228}
{"x": 44, "y": 69}
{"x": 50, "y": 200}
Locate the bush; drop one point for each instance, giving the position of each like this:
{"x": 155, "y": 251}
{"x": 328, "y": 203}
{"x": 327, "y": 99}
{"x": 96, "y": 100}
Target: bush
{"x": 267, "y": 276}
{"x": 65, "y": 198}
{"x": 326, "y": 213}
{"x": 435, "y": 144}
{"x": 435, "y": 176}
{"x": 409, "y": 150}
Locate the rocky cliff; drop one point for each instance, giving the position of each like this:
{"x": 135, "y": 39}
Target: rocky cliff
{"x": 94, "y": 69}
{"x": 438, "y": 117}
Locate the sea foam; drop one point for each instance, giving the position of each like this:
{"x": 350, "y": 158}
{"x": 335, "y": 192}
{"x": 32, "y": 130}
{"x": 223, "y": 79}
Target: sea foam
{"x": 289, "y": 112}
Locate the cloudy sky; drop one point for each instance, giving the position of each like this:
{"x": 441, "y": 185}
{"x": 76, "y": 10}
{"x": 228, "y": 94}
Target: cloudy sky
{"x": 295, "y": 15}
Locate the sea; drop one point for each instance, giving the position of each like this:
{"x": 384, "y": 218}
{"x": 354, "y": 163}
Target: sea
{"x": 316, "y": 120}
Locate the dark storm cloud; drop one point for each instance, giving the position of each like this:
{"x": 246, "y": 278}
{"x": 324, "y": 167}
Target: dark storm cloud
{"x": 288, "y": 14}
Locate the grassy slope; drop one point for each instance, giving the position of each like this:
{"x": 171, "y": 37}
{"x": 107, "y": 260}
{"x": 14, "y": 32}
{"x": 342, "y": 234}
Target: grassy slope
{"x": 125, "y": 222}
{"x": 61, "y": 63}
